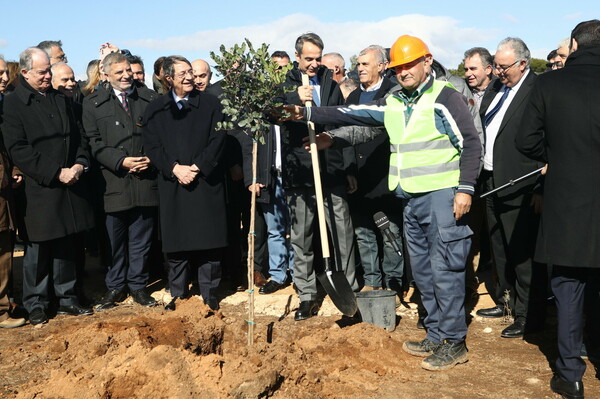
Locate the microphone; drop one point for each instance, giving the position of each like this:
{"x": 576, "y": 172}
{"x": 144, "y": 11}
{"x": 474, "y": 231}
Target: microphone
{"x": 383, "y": 224}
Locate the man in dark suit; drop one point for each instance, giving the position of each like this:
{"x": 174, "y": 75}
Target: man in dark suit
{"x": 512, "y": 213}
{"x": 562, "y": 129}
{"x": 372, "y": 194}
{"x": 112, "y": 117}
{"x": 298, "y": 177}
{"x": 43, "y": 139}
{"x": 181, "y": 139}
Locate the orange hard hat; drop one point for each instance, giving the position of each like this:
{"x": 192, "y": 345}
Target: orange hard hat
{"x": 407, "y": 49}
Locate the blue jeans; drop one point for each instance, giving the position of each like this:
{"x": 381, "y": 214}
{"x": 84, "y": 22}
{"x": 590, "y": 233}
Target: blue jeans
{"x": 438, "y": 246}
{"x": 368, "y": 239}
{"x": 277, "y": 218}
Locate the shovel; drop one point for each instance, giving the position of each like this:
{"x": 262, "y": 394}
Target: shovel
{"x": 334, "y": 282}
{"x": 511, "y": 183}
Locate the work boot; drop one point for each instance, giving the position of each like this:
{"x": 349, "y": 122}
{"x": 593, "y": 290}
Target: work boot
{"x": 422, "y": 349}
{"x": 446, "y": 355}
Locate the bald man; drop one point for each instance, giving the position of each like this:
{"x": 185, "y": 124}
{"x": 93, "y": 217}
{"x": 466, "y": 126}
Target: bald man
{"x": 202, "y": 74}
{"x": 63, "y": 79}
{"x": 336, "y": 63}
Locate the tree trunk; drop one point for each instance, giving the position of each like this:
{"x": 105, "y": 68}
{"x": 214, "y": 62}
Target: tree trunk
{"x": 251, "y": 238}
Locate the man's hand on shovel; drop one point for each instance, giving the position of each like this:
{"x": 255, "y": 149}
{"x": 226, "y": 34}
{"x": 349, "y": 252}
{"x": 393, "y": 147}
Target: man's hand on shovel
{"x": 324, "y": 140}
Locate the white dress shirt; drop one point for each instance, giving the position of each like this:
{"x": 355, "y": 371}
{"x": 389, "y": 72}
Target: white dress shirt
{"x": 491, "y": 132}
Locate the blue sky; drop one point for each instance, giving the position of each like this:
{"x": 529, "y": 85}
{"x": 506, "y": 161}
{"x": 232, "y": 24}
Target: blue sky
{"x": 194, "y": 28}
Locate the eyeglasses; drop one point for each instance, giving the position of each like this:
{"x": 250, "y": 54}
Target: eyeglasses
{"x": 502, "y": 69}
{"x": 183, "y": 74}
{"x": 554, "y": 65}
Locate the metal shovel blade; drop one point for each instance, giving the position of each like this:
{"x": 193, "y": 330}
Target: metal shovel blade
{"x": 338, "y": 288}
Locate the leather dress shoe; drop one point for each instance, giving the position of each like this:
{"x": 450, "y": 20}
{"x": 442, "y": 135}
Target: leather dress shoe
{"x": 143, "y": 298}
{"x": 270, "y": 287}
{"x": 171, "y": 305}
{"x": 306, "y": 310}
{"x": 213, "y": 304}
{"x": 495, "y": 312}
{"x": 259, "y": 279}
{"x": 75, "y": 310}
{"x": 38, "y": 316}
{"x": 515, "y": 330}
{"x": 12, "y": 323}
{"x": 111, "y": 298}
{"x": 568, "y": 390}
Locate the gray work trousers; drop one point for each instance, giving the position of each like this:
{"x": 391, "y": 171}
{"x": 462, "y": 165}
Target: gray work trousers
{"x": 303, "y": 209}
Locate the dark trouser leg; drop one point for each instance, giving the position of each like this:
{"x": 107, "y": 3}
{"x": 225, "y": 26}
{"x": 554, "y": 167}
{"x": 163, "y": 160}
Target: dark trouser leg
{"x": 178, "y": 273}
{"x": 303, "y": 209}
{"x": 209, "y": 271}
{"x": 260, "y": 239}
{"x": 117, "y": 224}
{"x": 368, "y": 248}
{"x": 6, "y": 249}
{"x": 438, "y": 246}
{"x": 498, "y": 243}
{"x": 568, "y": 285}
{"x": 65, "y": 255}
{"x": 393, "y": 264}
{"x": 141, "y": 224}
{"x": 341, "y": 233}
{"x": 37, "y": 264}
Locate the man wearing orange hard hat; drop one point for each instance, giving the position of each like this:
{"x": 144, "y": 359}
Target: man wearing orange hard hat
{"x": 434, "y": 162}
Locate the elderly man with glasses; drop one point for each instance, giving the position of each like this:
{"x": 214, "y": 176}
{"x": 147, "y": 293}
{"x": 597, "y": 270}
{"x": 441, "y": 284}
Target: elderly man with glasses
{"x": 513, "y": 214}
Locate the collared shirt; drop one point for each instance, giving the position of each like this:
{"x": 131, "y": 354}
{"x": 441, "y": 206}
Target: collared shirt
{"x": 478, "y": 96}
{"x": 411, "y": 99}
{"x": 374, "y": 87}
{"x": 118, "y": 92}
{"x": 277, "y": 148}
{"x": 491, "y": 131}
{"x": 177, "y": 99}
{"x": 314, "y": 82}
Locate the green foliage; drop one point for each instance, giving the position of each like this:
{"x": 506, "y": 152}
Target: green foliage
{"x": 538, "y": 65}
{"x": 353, "y": 62}
{"x": 251, "y": 81}
{"x": 459, "y": 71}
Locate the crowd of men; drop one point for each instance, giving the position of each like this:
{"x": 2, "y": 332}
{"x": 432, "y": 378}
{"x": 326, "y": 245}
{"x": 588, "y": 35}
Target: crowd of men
{"x": 399, "y": 136}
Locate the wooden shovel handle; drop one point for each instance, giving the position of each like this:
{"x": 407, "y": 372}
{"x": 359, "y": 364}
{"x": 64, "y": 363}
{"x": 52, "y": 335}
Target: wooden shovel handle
{"x": 314, "y": 156}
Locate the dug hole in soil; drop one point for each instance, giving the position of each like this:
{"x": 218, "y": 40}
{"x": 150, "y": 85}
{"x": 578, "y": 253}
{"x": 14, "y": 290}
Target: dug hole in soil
{"x": 135, "y": 352}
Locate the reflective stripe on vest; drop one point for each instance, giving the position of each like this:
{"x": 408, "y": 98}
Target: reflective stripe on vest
{"x": 422, "y": 159}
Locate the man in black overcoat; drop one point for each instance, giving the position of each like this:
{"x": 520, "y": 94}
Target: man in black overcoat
{"x": 44, "y": 141}
{"x": 112, "y": 117}
{"x": 181, "y": 139}
{"x": 562, "y": 128}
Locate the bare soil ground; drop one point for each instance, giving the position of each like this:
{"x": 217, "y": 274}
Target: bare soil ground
{"x": 135, "y": 352}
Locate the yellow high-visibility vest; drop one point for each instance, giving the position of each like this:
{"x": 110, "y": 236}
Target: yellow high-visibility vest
{"x": 422, "y": 159}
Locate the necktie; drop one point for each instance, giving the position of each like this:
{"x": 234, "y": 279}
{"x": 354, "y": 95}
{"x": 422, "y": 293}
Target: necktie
{"x": 314, "y": 80}
{"x": 182, "y": 104}
{"x": 491, "y": 113}
{"x": 124, "y": 102}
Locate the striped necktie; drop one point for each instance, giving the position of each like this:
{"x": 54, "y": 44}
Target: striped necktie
{"x": 124, "y": 103}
